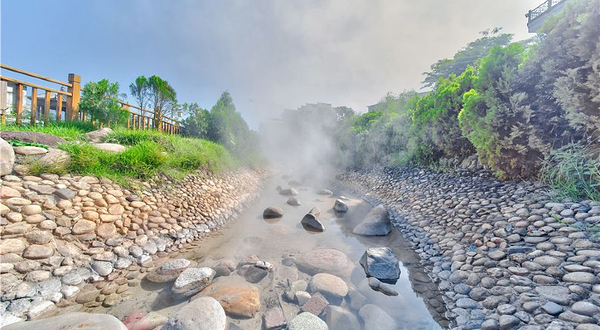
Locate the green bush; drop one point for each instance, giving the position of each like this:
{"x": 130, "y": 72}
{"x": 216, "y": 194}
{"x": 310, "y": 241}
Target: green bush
{"x": 574, "y": 172}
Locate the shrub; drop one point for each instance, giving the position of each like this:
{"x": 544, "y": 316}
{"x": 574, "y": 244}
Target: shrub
{"x": 574, "y": 172}
{"x": 101, "y": 101}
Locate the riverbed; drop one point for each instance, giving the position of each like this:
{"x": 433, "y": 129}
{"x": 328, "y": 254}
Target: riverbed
{"x": 280, "y": 241}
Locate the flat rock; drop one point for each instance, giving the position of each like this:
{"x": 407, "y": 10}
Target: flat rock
{"x": 76, "y": 320}
{"x": 193, "y": 280}
{"x": 376, "y": 223}
{"x": 274, "y": 319}
{"x": 307, "y": 321}
{"x": 581, "y": 277}
{"x": 169, "y": 271}
{"x": 339, "y": 318}
{"x": 32, "y": 137}
{"x": 381, "y": 263}
{"x": 111, "y": 147}
{"x": 148, "y": 321}
{"x": 288, "y": 192}
{"x": 99, "y": 135}
{"x": 557, "y": 294}
{"x": 29, "y": 150}
{"x": 330, "y": 261}
{"x": 204, "y": 313}
{"x": 315, "y": 305}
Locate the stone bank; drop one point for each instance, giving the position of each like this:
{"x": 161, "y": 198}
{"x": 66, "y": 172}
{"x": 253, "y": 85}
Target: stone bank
{"x": 504, "y": 254}
{"x": 83, "y": 240}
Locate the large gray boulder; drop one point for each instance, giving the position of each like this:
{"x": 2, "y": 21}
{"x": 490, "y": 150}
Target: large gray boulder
{"x": 376, "y": 223}
{"x": 99, "y": 135}
{"x": 204, "y": 313}
{"x": 381, "y": 263}
{"x": 77, "y": 320}
{"x": 7, "y": 158}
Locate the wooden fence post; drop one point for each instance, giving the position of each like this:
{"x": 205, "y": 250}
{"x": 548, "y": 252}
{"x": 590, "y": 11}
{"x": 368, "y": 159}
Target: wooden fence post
{"x": 33, "y": 106}
{"x": 3, "y": 102}
{"x": 73, "y": 100}
{"x": 19, "y": 103}
{"x": 158, "y": 119}
{"x": 46, "y": 108}
{"x": 58, "y": 107}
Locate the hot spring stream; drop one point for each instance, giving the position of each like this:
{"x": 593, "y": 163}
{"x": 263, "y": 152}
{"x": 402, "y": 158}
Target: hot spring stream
{"x": 281, "y": 241}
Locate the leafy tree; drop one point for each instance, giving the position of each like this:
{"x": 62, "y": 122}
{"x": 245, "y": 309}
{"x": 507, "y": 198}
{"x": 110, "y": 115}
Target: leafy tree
{"x": 140, "y": 90}
{"x": 467, "y": 56}
{"x": 162, "y": 96}
{"x": 197, "y": 123}
{"x": 100, "y": 100}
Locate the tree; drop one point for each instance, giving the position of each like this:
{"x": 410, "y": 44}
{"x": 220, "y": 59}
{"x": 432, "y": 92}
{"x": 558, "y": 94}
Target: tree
{"x": 140, "y": 90}
{"x": 198, "y": 121}
{"x": 466, "y": 56}
{"x": 101, "y": 99}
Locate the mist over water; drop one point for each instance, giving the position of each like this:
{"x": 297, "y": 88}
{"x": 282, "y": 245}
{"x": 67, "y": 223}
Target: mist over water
{"x": 301, "y": 142}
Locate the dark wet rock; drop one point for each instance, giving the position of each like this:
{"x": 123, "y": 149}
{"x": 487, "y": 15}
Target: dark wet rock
{"x": 192, "y": 281}
{"x": 255, "y": 274}
{"x": 376, "y": 223}
{"x": 288, "y": 192}
{"x": 204, "y": 313}
{"x": 273, "y": 212}
{"x": 307, "y": 321}
{"x": 376, "y": 318}
{"x": 169, "y": 271}
{"x": 340, "y": 206}
{"x": 376, "y": 285}
{"x": 380, "y": 262}
{"x": 76, "y": 320}
{"x": 339, "y": 318}
{"x": 330, "y": 261}
{"x": 311, "y": 221}
{"x": 293, "y": 201}
{"x": 221, "y": 271}
{"x": 508, "y": 322}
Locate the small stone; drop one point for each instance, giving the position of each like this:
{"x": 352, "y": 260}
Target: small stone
{"x": 307, "y": 321}
{"x": 193, "y": 280}
{"x": 507, "y": 322}
{"x": 580, "y": 277}
{"x": 38, "y": 252}
{"x": 552, "y": 308}
{"x": 204, "y": 313}
{"x": 331, "y": 286}
{"x": 315, "y": 305}
{"x": 274, "y": 319}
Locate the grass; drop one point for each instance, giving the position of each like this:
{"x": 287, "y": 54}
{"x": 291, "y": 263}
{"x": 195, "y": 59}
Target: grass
{"x": 70, "y": 131}
{"x": 574, "y": 172}
{"x": 148, "y": 154}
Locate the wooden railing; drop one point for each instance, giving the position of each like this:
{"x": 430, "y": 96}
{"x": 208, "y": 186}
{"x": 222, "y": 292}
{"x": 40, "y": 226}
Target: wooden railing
{"x": 538, "y": 11}
{"x": 138, "y": 118}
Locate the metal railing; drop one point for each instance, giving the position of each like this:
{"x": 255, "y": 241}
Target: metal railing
{"x": 541, "y": 9}
{"x": 138, "y": 118}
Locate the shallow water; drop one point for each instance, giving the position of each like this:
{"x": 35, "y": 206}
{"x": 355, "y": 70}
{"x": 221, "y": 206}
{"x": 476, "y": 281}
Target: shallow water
{"x": 418, "y": 305}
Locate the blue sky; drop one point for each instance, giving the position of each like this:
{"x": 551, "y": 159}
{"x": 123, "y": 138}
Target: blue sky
{"x": 270, "y": 55}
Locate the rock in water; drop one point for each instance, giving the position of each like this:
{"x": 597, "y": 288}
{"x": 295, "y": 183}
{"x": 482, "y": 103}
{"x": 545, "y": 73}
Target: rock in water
{"x": 293, "y": 201}
{"x": 307, "y": 321}
{"x": 77, "y": 320}
{"x": 330, "y": 286}
{"x": 376, "y": 285}
{"x": 381, "y": 263}
{"x": 169, "y": 271}
{"x": 238, "y": 298}
{"x": 339, "y": 318}
{"x": 272, "y": 212}
{"x": 376, "y": 318}
{"x": 193, "y": 280}
{"x": 325, "y": 192}
{"x": 7, "y": 158}
{"x": 340, "y": 206}
{"x": 330, "y": 261}
{"x": 288, "y": 192}
{"x": 311, "y": 221}
{"x": 376, "y": 223}
{"x": 315, "y": 211}
{"x": 204, "y": 313}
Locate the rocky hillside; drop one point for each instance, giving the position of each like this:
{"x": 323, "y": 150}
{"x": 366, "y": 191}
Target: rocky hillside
{"x": 505, "y": 255}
